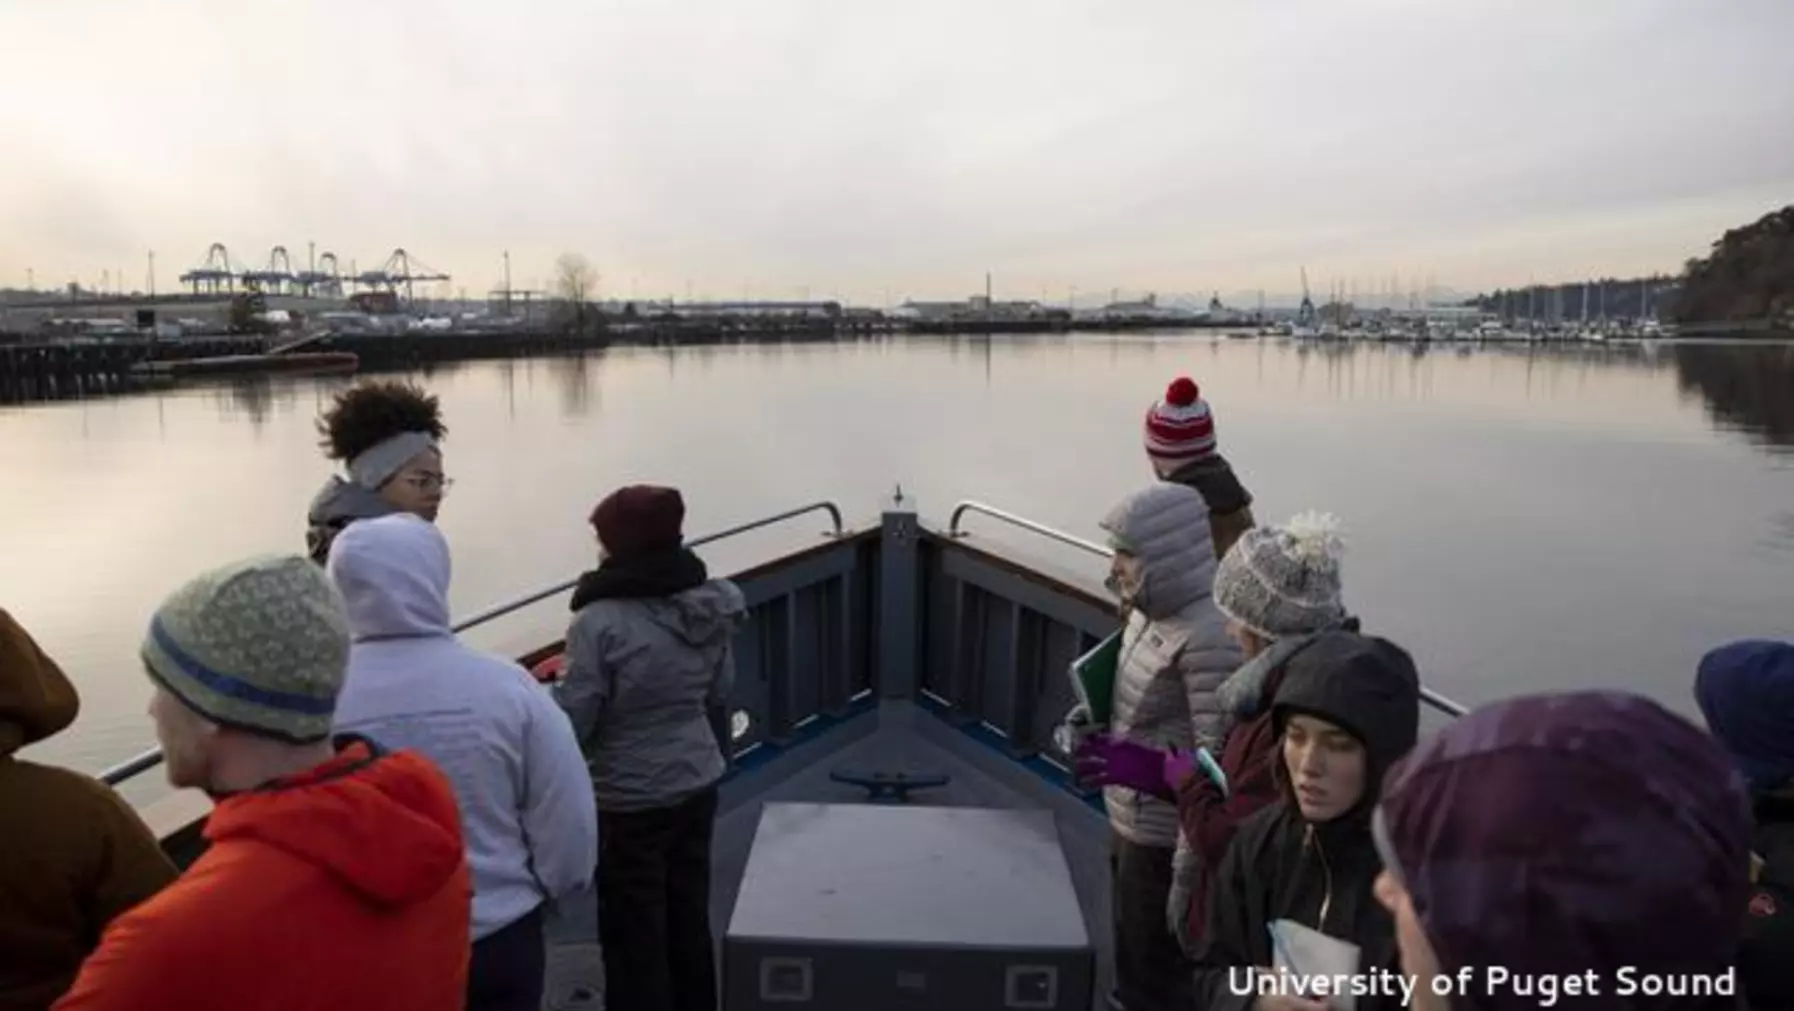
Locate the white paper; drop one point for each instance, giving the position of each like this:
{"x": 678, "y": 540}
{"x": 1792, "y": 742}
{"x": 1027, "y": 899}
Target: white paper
{"x": 1308, "y": 955}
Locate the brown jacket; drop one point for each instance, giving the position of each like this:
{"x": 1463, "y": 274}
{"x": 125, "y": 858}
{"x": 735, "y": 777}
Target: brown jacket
{"x": 73, "y": 855}
{"x": 1229, "y": 503}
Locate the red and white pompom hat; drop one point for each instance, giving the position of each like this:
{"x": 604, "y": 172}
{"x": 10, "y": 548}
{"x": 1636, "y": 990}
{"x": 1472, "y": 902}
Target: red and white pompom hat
{"x": 1179, "y": 428}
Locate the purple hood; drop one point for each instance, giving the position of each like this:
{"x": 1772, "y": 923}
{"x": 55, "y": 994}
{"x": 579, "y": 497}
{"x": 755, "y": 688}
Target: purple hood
{"x": 1555, "y": 834}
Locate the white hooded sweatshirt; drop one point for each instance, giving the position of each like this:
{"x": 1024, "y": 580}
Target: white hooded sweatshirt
{"x": 527, "y": 810}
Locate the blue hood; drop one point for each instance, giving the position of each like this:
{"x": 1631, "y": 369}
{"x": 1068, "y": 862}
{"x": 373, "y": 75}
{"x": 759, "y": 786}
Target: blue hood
{"x": 1746, "y": 692}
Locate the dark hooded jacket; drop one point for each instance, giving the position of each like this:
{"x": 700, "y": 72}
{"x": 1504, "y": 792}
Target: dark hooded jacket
{"x": 1248, "y": 759}
{"x": 1280, "y": 866}
{"x": 73, "y": 855}
{"x": 336, "y": 505}
{"x": 1558, "y": 834}
{"x": 1746, "y": 692}
{"x": 1229, "y": 503}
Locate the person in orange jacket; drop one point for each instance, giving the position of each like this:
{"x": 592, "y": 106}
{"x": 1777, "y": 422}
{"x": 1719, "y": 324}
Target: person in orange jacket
{"x": 336, "y": 878}
{"x": 73, "y": 855}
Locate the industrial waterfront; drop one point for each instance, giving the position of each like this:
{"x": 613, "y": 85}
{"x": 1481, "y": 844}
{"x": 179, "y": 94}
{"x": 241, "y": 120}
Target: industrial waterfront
{"x": 275, "y": 317}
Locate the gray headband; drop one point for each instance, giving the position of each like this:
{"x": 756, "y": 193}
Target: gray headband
{"x": 378, "y": 463}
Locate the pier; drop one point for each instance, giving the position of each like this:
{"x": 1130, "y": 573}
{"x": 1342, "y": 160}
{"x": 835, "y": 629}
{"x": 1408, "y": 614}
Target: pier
{"x": 75, "y": 369}
{"x": 34, "y": 368}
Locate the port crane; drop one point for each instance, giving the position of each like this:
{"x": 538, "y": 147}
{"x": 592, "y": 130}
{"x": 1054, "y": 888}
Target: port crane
{"x": 218, "y": 274}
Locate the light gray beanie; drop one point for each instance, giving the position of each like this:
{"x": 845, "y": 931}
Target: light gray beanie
{"x": 261, "y": 645}
{"x": 1283, "y": 581}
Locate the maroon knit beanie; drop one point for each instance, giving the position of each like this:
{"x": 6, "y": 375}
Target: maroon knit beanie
{"x": 640, "y": 519}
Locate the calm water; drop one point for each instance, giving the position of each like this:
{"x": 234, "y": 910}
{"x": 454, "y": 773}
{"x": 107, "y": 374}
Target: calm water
{"x": 1521, "y": 521}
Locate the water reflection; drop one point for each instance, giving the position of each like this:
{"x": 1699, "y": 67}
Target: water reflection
{"x": 1352, "y": 371}
{"x": 1519, "y": 516}
{"x": 507, "y": 377}
{"x": 574, "y": 375}
{"x": 256, "y": 399}
{"x": 251, "y": 398}
{"x": 1747, "y": 387}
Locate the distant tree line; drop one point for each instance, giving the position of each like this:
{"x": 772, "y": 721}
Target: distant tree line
{"x": 1749, "y": 275}
{"x": 1606, "y": 298}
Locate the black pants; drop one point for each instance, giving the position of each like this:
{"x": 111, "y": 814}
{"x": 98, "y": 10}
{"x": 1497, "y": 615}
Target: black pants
{"x": 654, "y": 907}
{"x": 1151, "y": 972}
{"x": 507, "y": 968}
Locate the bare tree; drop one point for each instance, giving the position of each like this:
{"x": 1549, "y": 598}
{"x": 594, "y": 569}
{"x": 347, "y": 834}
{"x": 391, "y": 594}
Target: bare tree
{"x": 575, "y": 280}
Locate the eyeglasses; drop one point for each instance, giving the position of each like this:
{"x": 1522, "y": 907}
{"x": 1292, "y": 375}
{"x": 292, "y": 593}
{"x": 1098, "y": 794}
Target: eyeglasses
{"x": 429, "y": 482}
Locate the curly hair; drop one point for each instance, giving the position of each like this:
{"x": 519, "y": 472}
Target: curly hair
{"x": 369, "y": 413}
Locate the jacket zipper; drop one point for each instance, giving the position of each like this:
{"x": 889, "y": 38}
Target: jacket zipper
{"x": 1326, "y": 877}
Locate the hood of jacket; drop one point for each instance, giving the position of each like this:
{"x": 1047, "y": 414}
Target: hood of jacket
{"x": 36, "y": 700}
{"x": 1243, "y": 693}
{"x": 383, "y": 824}
{"x": 1363, "y": 684}
{"x": 702, "y": 617}
{"x": 1746, "y": 693}
{"x": 1213, "y": 476}
{"x": 1166, "y": 527}
{"x": 1555, "y": 834}
{"x": 393, "y": 572}
{"x": 340, "y": 501}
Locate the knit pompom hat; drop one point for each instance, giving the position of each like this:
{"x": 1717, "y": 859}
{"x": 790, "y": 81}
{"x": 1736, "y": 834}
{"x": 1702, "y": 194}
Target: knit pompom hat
{"x": 1179, "y": 428}
{"x": 261, "y": 645}
{"x": 1284, "y": 581}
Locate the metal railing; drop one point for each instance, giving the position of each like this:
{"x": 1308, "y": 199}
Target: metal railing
{"x": 969, "y": 506}
{"x": 1440, "y": 702}
{"x": 1443, "y": 703}
{"x": 153, "y": 757}
{"x": 479, "y": 618}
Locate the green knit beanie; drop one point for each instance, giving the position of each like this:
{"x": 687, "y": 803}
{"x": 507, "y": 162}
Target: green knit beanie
{"x": 261, "y": 645}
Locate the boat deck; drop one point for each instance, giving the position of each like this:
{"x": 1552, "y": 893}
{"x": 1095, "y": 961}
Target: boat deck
{"x": 893, "y": 648}
{"x": 894, "y": 736}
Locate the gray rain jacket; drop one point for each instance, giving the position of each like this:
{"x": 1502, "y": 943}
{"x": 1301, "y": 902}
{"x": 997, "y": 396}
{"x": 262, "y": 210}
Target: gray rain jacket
{"x": 642, "y": 675}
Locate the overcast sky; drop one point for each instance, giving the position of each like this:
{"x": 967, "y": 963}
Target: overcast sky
{"x": 881, "y": 150}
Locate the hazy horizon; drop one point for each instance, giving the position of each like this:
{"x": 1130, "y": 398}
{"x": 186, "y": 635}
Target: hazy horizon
{"x": 766, "y": 149}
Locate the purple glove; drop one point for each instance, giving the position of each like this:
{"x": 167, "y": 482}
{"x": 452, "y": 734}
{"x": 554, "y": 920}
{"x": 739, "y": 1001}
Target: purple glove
{"x": 1201, "y": 765}
{"x": 1179, "y": 766}
{"x": 1105, "y": 761}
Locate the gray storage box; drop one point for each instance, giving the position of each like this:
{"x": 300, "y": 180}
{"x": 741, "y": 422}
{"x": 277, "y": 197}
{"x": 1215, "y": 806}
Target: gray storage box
{"x": 863, "y": 907}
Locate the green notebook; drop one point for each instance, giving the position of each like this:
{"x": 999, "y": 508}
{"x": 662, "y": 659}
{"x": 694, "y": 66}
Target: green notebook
{"x": 1093, "y": 678}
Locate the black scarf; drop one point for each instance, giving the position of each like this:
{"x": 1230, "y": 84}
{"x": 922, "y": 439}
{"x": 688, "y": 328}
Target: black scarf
{"x": 659, "y": 574}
